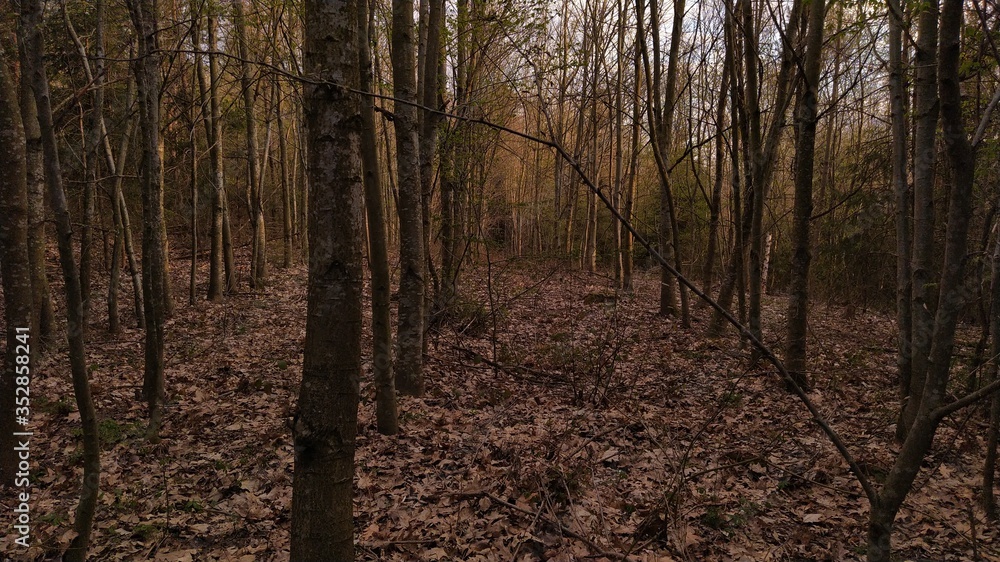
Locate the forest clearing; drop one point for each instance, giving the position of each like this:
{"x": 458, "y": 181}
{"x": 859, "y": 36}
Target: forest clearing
{"x": 605, "y": 422}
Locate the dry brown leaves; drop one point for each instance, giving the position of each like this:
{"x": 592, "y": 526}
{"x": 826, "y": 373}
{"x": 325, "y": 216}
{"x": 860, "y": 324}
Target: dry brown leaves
{"x": 593, "y": 429}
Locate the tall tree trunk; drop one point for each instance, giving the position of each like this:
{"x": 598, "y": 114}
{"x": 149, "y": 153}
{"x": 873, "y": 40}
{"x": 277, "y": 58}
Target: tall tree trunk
{"x": 762, "y": 149}
{"x": 627, "y": 208}
{"x": 147, "y": 73}
{"x": 16, "y": 273}
{"x": 255, "y": 187}
{"x": 736, "y": 268}
{"x": 222, "y": 273}
{"x": 961, "y": 160}
{"x": 430, "y": 96}
{"x": 43, "y": 315}
{"x": 32, "y": 65}
{"x": 193, "y": 177}
{"x": 926, "y": 108}
{"x": 987, "y": 498}
{"x": 805, "y": 151}
{"x": 122, "y": 235}
{"x": 715, "y": 206}
{"x": 326, "y": 424}
{"x": 410, "y": 333}
{"x": 904, "y": 206}
{"x": 668, "y": 219}
{"x": 287, "y": 211}
{"x": 387, "y": 417}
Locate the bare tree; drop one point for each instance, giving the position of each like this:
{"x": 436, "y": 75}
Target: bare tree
{"x": 16, "y": 271}
{"x": 805, "y": 151}
{"x": 410, "y": 333}
{"x": 147, "y": 76}
{"x": 378, "y": 252}
{"x": 32, "y": 66}
{"x": 325, "y": 426}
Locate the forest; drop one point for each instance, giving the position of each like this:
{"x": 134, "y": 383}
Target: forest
{"x": 614, "y": 280}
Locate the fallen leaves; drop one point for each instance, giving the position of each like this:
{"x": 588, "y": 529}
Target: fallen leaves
{"x": 589, "y": 431}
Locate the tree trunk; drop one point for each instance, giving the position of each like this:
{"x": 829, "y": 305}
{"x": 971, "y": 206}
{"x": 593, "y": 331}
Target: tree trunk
{"x": 122, "y": 235}
{"x": 715, "y": 206}
{"x": 805, "y": 151}
{"x": 326, "y": 424}
{"x": 951, "y": 301}
{"x": 147, "y": 73}
{"x": 925, "y": 107}
{"x": 763, "y": 149}
{"x": 904, "y": 207}
{"x": 387, "y": 416}
{"x": 410, "y": 333}
{"x": 32, "y": 66}
{"x": 987, "y": 497}
{"x": 43, "y": 315}
{"x": 222, "y": 268}
{"x": 16, "y": 274}
{"x": 287, "y": 211}
{"x": 429, "y": 83}
{"x": 255, "y": 185}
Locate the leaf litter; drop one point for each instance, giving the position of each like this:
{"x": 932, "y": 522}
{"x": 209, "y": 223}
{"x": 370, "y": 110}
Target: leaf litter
{"x": 563, "y": 421}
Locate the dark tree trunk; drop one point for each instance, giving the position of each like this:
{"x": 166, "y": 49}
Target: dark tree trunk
{"x": 805, "y": 151}
{"x": 326, "y": 424}
{"x": 147, "y": 73}
{"x": 33, "y": 66}
{"x": 410, "y": 333}
{"x": 378, "y": 254}
{"x": 16, "y": 272}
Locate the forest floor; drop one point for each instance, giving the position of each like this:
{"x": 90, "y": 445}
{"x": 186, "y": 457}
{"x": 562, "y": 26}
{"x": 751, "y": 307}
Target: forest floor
{"x": 562, "y": 422}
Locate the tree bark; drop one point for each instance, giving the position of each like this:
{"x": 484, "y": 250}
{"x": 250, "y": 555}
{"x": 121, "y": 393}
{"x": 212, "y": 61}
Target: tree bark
{"x": 410, "y": 332}
{"x": 805, "y": 152}
{"x": 255, "y": 185}
{"x": 32, "y": 65}
{"x": 387, "y": 417}
{"x": 904, "y": 207}
{"x": 987, "y": 498}
{"x": 926, "y": 108}
{"x": 16, "y": 272}
{"x": 43, "y": 315}
{"x": 326, "y": 424}
{"x": 951, "y": 300}
{"x": 147, "y": 73}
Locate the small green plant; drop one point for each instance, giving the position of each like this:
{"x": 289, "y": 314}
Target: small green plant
{"x": 714, "y": 518}
{"x": 192, "y": 506}
{"x": 145, "y": 531}
{"x": 61, "y": 407}
{"x": 731, "y": 399}
{"x": 53, "y": 518}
